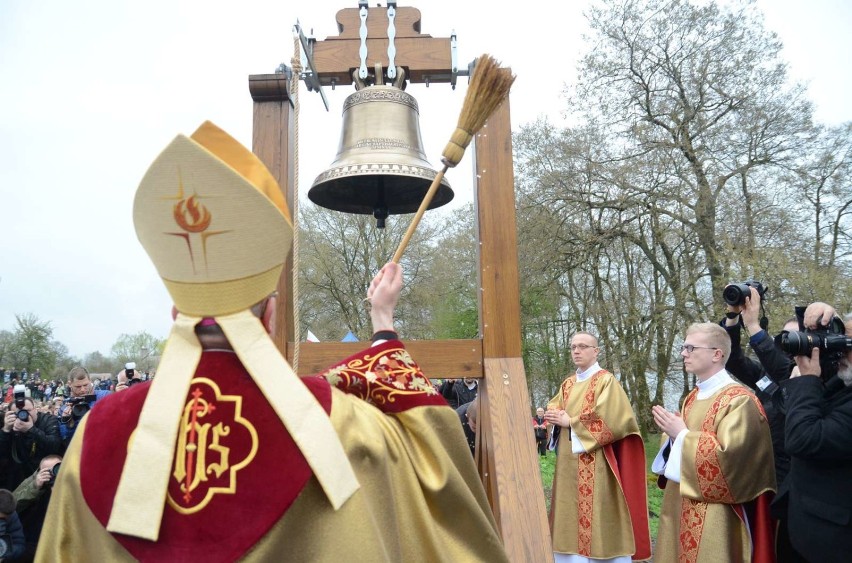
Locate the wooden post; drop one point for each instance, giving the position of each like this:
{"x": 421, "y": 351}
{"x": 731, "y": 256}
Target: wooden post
{"x": 272, "y": 142}
{"x": 508, "y": 460}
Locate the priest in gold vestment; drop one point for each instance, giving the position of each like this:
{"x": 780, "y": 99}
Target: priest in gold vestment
{"x": 599, "y": 508}
{"x": 716, "y": 464}
{"x": 227, "y": 454}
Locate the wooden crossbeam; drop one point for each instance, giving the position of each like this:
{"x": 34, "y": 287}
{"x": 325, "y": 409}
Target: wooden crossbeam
{"x": 437, "y": 358}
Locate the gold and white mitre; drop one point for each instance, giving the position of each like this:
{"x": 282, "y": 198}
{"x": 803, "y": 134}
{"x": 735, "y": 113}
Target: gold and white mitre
{"x": 214, "y": 222}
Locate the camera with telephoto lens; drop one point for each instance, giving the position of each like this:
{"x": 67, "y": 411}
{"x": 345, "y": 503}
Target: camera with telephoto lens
{"x": 735, "y": 294}
{"x": 20, "y": 402}
{"x": 831, "y": 341}
{"x": 80, "y": 406}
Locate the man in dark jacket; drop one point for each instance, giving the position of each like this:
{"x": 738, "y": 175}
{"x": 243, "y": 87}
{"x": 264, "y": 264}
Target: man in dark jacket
{"x": 762, "y": 376}
{"x": 32, "y": 498}
{"x": 817, "y": 494}
{"x": 25, "y": 440}
{"x": 458, "y": 392}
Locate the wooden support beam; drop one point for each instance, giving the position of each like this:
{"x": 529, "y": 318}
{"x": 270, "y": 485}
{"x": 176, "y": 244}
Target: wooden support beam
{"x": 272, "y": 143}
{"x": 508, "y": 458}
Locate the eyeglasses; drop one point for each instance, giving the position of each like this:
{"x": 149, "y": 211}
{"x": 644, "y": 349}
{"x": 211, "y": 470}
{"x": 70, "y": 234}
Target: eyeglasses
{"x": 581, "y": 347}
{"x": 690, "y": 348}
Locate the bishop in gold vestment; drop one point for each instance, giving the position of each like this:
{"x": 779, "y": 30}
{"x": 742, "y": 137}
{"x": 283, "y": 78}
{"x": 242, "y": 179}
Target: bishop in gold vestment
{"x": 227, "y": 454}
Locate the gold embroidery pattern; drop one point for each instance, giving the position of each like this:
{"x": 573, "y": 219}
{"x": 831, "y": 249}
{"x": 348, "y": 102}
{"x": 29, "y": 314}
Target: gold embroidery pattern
{"x": 692, "y": 514}
{"x": 591, "y": 419}
{"x": 710, "y": 479}
{"x": 566, "y": 390}
{"x": 586, "y": 464}
{"x": 203, "y": 455}
{"x": 585, "y": 494}
{"x": 382, "y": 378}
{"x": 712, "y": 483}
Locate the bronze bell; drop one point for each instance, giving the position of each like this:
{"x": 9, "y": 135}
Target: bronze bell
{"x": 380, "y": 167}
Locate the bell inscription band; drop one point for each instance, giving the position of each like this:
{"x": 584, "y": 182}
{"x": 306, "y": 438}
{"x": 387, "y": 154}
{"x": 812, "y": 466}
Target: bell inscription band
{"x": 380, "y": 167}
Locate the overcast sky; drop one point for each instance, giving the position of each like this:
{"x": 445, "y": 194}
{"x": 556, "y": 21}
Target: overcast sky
{"x": 92, "y": 90}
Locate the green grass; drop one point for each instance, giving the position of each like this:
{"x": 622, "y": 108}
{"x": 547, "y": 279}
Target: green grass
{"x": 655, "y": 495}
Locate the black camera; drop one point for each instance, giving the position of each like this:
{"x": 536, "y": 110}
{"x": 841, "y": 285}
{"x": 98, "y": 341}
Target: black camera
{"x": 54, "y": 472}
{"x": 130, "y": 372}
{"x": 831, "y": 341}
{"x": 80, "y": 406}
{"x": 736, "y": 293}
{"x": 21, "y": 403}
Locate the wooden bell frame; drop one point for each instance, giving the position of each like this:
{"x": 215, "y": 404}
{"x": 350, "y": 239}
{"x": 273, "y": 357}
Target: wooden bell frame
{"x": 506, "y": 454}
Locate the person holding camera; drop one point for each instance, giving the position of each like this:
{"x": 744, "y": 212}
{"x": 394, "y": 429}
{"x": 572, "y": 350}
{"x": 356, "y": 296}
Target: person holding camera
{"x": 82, "y": 399}
{"x": 773, "y": 365}
{"x": 744, "y": 303}
{"x": 127, "y": 377}
{"x": 816, "y": 497}
{"x": 26, "y": 437}
{"x": 33, "y": 498}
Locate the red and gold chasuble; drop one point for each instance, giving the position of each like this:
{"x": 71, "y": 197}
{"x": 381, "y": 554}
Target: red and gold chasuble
{"x": 240, "y": 489}
{"x": 726, "y": 471}
{"x": 599, "y": 506}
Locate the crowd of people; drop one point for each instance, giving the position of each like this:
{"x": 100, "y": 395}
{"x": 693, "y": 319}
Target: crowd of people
{"x": 39, "y": 419}
{"x": 365, "y": 461}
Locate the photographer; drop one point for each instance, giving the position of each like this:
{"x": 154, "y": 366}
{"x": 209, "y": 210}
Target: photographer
{"x": 764, "y": 375}
{"x": 127, "y": 377}
{"x": 27, "y": 437}
{"x": 83, "y": 398}
{"x": 459, "y": 392}
{"x": 33, "y": 498}
{"x": 773, "y": 366}
{"x": 817, "y": 495}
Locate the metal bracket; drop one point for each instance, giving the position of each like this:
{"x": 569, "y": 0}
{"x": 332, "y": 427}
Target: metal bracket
{"x": 391, "y": 37}
{"x": 454, "y": 57}
{"x": 362, "y": 70}
{"x": 452, "y": 74}
{"x": 309, "y": 74}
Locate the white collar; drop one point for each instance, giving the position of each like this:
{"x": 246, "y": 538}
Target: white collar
{"x": 713, "y": 384}
{"x": 592, "y": 370}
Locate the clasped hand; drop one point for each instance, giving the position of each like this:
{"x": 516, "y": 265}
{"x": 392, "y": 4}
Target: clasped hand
{"x": 669, "y": 422}
{"x": 558, "y": 417}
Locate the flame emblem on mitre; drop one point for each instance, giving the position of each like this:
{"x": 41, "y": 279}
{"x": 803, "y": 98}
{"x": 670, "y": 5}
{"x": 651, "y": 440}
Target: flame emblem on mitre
{"x": 191, "y": 215}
